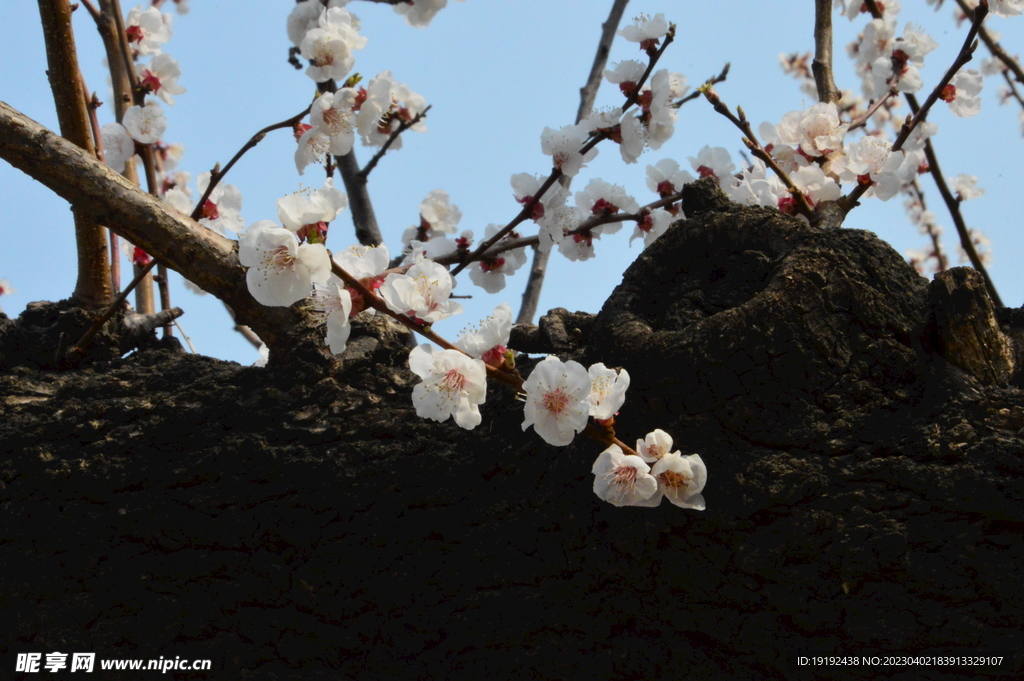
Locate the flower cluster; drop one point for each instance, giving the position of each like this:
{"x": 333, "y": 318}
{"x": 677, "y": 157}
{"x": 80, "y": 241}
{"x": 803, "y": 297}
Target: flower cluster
{"x": 642, "y": 480}
{"x": 373, "y": 112}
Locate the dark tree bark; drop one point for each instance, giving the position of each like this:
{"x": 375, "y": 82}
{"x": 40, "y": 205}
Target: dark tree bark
{"x": 863, "y": 495}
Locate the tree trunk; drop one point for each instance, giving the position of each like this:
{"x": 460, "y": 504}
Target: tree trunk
{"x": 863, "y": 494}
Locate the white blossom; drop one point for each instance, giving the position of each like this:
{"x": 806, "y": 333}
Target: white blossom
{"x": 525, "y": 188}
{"x": 281, "y": 271}
{"x": 329, "y": 46}
{"x": 313, "y": 147}
{"x": 626, "y": 75}
{"x": 661, "y": 115}
{"x": 490, "y": 272}
{"x": 147, "y": 29}
{"x": 306, "y": 211}
{"x": 607, "y": 391}
{"x": 160, "y": 77}
{"x": 332, "y": 116}
{"x": 439, "y": 213}
{"x": 563, "y": 146}
{"x": 422, "y": 292}
{"x": 666, "y": 179}
{"x": 222, "y": 211}
{"x": 305, "y": 16}
{"x": 645, "y": 30}
{"x": 387, "y": 105}
{"x": 874, "y": 158}
{"x": 817, "y": 131}
{"x": 118, "y": 146}
{"x": 331, "y": 305}
{"x": 453, "y": 385}
{"x": 364, "y": 262}
{"x": 681, "y": 480}
{"x": 603, "y": 198}
{"x": 145, "y": 123}
{"x": 489, "y": 340}
{"x": 963, "y": 187}
{"x": 419, "y": 13}
{"x": 657, "y": 444}
{"x": 714, "y": 162}
{"x": 556, "y": 400}
{"x": 1006, "y": 8}
{"x": 623, "y": 480}
{"x": 962, "y": 93}
{"x": 654, "y": 223}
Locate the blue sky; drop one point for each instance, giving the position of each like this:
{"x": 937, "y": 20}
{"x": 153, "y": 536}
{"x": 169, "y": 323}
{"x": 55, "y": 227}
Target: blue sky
{"x": 496, "y": 74}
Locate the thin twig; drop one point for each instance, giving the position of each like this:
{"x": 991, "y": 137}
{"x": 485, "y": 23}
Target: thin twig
{"x": 118, "y": 304}
{"x": 1011, "y": 87}
{"x": 710, "y": 82}
{"x": 930, "y": 228}
{"x": 402, "y": 127}
{"x": 246, "y": 332}
{"x": 953, "y": 205}
{"x": 750, "y": 141}
{"x": 91, "y": 8}
{"x": 863, "y": 120}
{"x": 218, "y": 174}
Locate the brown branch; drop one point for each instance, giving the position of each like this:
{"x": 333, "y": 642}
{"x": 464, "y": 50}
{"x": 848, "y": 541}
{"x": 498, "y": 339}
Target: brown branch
{"x": 202, "y": 256}
{"x": 953, "y": 205}
{"x": 364, "y": 219}
{"x": 965, "y": 55}
{"x": 588, "y": 93}
{"x": 92, "y": 288}
{"x": 863, "y": 121}
{"x": 822, "y": 64}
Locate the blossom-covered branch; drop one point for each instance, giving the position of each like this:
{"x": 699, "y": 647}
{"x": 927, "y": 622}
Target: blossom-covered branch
{"x": 750, "y": 141}
{"x": 563, "y": 145}
{"x": 588, "y": 94}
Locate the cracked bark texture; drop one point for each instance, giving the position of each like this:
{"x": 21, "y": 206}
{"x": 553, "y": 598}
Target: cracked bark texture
{"x": 863, "y": 495}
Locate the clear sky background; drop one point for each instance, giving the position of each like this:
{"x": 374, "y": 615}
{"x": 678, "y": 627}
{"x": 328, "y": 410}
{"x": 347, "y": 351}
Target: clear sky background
{"x": 496, "y": 72}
